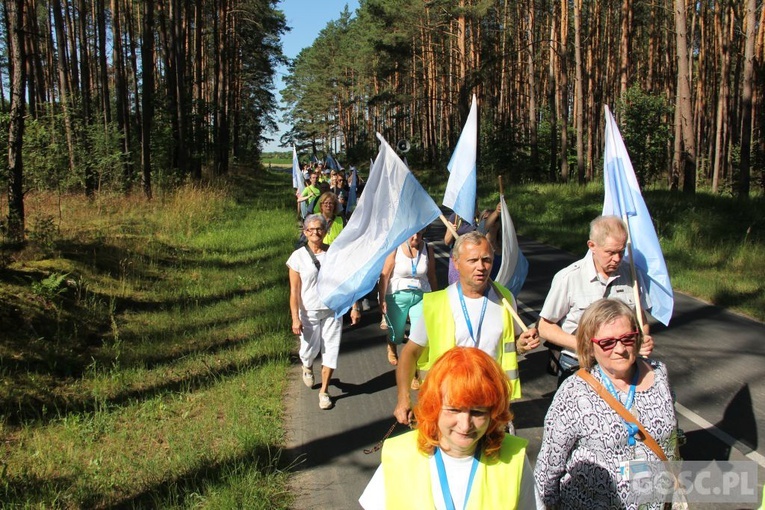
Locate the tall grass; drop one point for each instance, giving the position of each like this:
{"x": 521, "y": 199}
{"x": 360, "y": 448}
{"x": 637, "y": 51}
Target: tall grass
{"x": 153, "y": 374}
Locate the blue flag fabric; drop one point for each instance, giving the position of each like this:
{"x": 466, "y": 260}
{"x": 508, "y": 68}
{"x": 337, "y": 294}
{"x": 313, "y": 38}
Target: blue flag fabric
{"x": 392, "y": 208}
{"x": 514, "y": 267}
{"x": 331, "y": 162}
{"x": 461, "y": 187}
{"x": 352, "y": 190}
{"x": 623, "y": 199}
{"x": 297, "y": 180}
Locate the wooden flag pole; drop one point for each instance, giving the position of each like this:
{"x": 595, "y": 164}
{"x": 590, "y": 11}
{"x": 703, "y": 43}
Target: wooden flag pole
{"x": 501, "y": 189}
{"x": 449, "y": 226}
{"x": 514, "y": 314}
{"x": 635, "y": 286}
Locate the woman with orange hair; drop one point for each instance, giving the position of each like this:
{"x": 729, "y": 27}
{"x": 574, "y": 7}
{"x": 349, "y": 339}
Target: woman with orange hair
{"x": 458, "y": 456}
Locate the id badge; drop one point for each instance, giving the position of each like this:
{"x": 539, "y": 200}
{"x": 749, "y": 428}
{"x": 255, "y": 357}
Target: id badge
{"x": 414, "y": 284}
{"x": 635, "y": 470}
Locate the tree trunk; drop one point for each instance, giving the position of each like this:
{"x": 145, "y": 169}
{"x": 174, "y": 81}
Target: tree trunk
{"x": 65, "y": 92}
{"x": 624, "y": 46}
{"x": 14, "y": 12}
{"x": 147, "y": 96}
{"x": 91, "y": 179}
{"x": 563, "y": 90}
{"x": 687, "y": 149}
{"x": 580, "y": 106}
{"x": 121, "y": 96}
{"x": 746, "y": 100}
{"x": 721, "y": 122}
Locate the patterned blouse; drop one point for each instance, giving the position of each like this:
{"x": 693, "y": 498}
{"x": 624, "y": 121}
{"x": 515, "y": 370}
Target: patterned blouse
{"x": 585, "y": 440}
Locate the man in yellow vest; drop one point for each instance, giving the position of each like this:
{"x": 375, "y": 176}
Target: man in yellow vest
{"x": 468, "y": 313}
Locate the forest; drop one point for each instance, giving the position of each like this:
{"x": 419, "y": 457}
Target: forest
{"x": 120, "y": 95}
{"x": 126, "y": 97}
{"x": 685, "y": 78}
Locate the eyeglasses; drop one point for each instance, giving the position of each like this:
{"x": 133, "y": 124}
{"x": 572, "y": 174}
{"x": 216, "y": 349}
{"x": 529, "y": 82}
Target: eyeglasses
{"x": 317, "y": 230}
{"x": 626, "y": 339}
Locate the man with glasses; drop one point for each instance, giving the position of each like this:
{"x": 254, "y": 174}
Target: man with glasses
{"x": 599, "y": 274}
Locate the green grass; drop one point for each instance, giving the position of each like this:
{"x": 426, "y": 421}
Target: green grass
{"x": 144, "y": 346}
{"x": 152, "y": 374}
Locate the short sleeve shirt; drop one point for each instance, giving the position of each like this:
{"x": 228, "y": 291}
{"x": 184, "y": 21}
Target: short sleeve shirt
{"x": 577, "y": 286}
{"x": 491, "y": 329}
{"x": 301, "y": 262}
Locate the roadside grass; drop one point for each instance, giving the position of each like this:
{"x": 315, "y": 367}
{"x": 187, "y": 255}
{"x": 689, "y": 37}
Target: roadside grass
{"x": 144, "y": 345}
{"x": 143, "y": 350}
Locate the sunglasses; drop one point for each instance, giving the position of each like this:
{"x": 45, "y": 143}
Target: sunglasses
{"x": 317, "y": 230}
{"x": 626, "y": 339}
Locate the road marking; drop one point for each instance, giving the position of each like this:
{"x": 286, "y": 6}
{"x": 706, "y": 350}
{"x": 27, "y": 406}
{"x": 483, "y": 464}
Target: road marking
{"x": 720, "y": 434}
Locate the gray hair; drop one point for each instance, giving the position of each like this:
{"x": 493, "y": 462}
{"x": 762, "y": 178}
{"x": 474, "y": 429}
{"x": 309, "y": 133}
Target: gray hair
{"x": 311, "y": 218}
{"x": 603, "y": 227}
{"x": 474, "y": 237}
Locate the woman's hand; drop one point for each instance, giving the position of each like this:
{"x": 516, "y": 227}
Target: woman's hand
{"x": 297, "y": 326}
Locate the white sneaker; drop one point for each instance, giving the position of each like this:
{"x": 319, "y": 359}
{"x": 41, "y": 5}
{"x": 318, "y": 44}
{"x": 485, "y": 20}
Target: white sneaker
{"x": 308, "y": 376}
{"x": 324, "y": 401}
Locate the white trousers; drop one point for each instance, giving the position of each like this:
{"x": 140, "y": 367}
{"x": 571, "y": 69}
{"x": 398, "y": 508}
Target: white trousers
{"x": 321, "y": 334}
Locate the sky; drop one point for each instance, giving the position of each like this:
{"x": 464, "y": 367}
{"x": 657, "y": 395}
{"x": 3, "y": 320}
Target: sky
{"x": 306, "y": 18}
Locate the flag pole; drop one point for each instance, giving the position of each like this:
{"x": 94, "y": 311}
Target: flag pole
{"x": 449, "y": 226}
{"x": 635, "y": 286}
{"x": 501, "y": 189}
{"x": 514, "y": 314}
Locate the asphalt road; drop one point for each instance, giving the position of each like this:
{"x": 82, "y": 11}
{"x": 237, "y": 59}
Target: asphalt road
{"x": 716, "y": 362}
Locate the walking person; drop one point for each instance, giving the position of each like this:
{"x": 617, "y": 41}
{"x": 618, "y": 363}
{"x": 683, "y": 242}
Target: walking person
{"x": 468, "y": 313}
{"x": 316, "y": 324}
{"x": 589, "y": 441}
{"x": 408, "y": 273}
{"x": 459, "y": 455}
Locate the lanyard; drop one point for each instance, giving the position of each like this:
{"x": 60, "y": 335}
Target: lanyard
{"x": 415, "y": 262}
{"x": 477, "y": 337}
{"x": 632, "y": 429}
{"x": 447, "y": 493}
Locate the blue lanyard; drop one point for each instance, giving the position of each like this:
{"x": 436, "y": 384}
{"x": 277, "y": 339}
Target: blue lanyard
{"x": 632, "y": 429}
{"x": 447, "y": 493}
{"x": 475, "y": 338}
{"x": 415, "y": 262}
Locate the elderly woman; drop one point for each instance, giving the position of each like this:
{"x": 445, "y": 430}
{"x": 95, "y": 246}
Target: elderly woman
{"x": 316, "y": 324}
{"x": 330, "y": 210}
{"x": 408, "y": 272}
{"x": 587, "y": 444}
{"x": 458, "y": 456}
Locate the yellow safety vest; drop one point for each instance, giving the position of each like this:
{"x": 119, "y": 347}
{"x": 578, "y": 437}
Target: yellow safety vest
{"x": 436, "y": 312}
{"x": 406, "y": 471}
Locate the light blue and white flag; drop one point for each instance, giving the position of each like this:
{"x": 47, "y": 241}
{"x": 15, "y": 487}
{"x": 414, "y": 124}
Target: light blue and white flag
{"x": 623, "y": 199}
{"x": 353, "y": 185}
{"x": 331, "y": 163}
{"x": 514, "y": 267}
{"x": 392, "y": 208}
{"x": 461, "y": 188}
{"x": 297, "y": 181}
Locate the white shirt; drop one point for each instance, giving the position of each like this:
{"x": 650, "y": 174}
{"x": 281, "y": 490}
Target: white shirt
{"x": 301, "y": 262}
{"x": 403, "y": 278}
{"x": 490, "y": 337}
